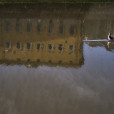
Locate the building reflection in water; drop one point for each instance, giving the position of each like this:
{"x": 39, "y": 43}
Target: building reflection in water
{"x": 37, "y": 41}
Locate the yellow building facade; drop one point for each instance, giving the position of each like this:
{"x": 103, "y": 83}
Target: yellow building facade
{"x": 45, "y": 41}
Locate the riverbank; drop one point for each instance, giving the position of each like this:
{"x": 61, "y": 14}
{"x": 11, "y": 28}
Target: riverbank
{"x": 57, "y": 10}
{"x": 56, "y": 1}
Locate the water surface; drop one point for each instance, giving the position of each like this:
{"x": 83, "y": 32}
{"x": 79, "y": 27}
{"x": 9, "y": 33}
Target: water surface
{"x": 46, "y": 68}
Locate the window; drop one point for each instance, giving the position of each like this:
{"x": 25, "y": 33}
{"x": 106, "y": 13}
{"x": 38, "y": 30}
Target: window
{"x": 72, "y": 30}
{"x": 38, "y": 28}
{"x": 18, "y": 59}
{"x": 50, "y": 47}
{"x": 50, "y": 29}
{"x": 38, "y": 60}
{"x": 7, "y": 26}
{"x": 39, "y": 46}
{"x": 28, "y": 60}
{"x": 29, "y": 46}
{"x": 71, "y": 47}
{"x": 18, "y": 27}
{"x": 59, "y": 61}
{"x": 29, "y": 27}
{"x": 60, "y": 47}
{"x": 70, "y": 62}
{"x": 61, "y": 29}
{"x": 49, "y": 61}
{"x": 18, "y": 45}
{"x": 8, "y": 45}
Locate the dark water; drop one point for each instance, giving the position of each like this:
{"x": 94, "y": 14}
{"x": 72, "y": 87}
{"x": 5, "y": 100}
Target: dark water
{"x": 46, "y": 68}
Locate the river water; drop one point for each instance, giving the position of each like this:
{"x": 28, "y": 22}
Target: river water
{"x": 46, "y": 68}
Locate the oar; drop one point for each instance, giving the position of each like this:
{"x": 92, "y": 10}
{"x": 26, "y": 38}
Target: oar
{"x": 101, "y": 40}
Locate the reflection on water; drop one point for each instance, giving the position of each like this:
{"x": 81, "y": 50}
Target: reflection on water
{"x": 48, "y": 41}
{"x": 100, "y": 30}
{"x": 46, "y": 68}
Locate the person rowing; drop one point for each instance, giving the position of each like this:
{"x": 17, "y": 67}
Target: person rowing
{"x": 110, "y": 37}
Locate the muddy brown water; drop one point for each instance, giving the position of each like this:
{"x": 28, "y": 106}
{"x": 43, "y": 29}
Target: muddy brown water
{"x": 46, "y": 68}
